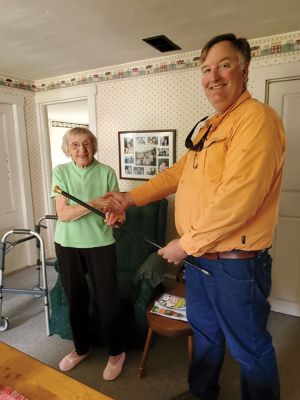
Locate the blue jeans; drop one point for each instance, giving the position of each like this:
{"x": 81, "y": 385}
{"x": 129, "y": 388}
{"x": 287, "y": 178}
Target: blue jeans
{"x": 230, "y": 306}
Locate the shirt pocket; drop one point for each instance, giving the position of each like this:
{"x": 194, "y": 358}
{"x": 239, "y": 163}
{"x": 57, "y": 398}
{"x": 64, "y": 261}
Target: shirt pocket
{"x": 214, "y": 159}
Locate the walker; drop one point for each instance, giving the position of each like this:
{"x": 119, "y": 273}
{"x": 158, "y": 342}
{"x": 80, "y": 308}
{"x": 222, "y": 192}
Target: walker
{"x": 40, "y": 289}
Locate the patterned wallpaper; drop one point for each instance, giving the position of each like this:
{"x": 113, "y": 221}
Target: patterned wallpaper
{"x": 164, "y": 101}
{"x": 149, "y": 98}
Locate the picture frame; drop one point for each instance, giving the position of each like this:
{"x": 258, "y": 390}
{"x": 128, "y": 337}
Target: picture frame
{"x": 143, "y": 154}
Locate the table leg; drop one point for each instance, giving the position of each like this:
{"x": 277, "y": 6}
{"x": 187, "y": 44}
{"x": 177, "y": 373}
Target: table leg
{"x": 145, "y": 353}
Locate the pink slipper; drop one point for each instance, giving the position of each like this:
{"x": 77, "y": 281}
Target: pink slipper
{"x": 112, "y": 371}
{"x": 70, "y": 361}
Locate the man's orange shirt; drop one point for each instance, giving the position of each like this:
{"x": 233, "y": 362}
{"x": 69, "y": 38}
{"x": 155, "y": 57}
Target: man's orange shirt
{"x": 230, "y": 201}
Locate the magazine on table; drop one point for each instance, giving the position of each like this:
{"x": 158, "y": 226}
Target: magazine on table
{"x": 170, "y": 306}
{"x": 8, "y": 393}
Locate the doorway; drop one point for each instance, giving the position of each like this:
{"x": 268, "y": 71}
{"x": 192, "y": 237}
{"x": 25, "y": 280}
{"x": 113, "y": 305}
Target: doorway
{"x": 281, "y": 87}
{"x": 284, "y": 96}
{"x": 60, "y": 104}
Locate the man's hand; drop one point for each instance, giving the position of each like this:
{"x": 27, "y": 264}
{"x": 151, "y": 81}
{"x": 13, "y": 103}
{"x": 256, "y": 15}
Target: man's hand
{"x": 118, "y": 202}
{"x": 108, "y": 203}
{"x": 173, "y": 252}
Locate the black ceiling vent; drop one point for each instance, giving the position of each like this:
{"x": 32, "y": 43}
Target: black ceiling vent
{"x": 162, "y": 43}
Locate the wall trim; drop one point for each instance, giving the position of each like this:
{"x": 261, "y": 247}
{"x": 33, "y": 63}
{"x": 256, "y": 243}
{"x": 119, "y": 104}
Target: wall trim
{"x": 275, "y": 46}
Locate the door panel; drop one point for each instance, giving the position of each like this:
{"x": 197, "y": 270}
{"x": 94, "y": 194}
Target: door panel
{"x": 8, "y": 170}
{"x": 284, "y": 97}
{"x": 11, "y": 212}
{"x": 6, "y": 194}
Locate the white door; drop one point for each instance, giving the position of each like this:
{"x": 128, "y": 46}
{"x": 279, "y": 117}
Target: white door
{"x": 13, "y": 200}
{"x": 284, "y": 96}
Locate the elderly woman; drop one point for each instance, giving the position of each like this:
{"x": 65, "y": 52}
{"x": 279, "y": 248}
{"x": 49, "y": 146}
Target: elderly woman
{"x": 85, "y": 245}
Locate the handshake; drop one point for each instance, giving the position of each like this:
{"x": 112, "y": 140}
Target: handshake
{"x": 111, "y": 206}
{"x": 115, "y": 202}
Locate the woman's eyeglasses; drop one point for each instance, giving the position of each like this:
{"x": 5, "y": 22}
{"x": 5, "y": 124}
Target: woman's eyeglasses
{"x": 77, "y": 145}
{"x": 199, "y": 145}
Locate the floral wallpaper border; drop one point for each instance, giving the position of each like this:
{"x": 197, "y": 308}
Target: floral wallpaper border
{"x": 264, "y": 47}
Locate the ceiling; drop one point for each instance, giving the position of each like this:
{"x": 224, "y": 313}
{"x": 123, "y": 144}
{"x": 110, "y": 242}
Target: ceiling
{"x": 47, "y": 38}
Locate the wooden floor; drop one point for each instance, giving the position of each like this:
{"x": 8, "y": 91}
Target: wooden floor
{"x": 167, "y": 365}
{"x": 37, "y": 381}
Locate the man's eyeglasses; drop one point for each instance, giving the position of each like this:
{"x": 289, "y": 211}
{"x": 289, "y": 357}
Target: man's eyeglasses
{"x": 199, "y": 145}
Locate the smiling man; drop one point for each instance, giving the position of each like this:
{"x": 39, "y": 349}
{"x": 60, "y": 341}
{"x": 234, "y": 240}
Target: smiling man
{"x": 224, "y": 74}
{"x": 227, "y": 189}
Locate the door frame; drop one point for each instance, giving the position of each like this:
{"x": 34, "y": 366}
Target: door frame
{"x": 25, "y": 202}
{"x": 262, "y": 75}
{"x": 42, "y": 100}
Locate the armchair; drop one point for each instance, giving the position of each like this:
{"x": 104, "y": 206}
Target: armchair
{"x": 140, "y": 273}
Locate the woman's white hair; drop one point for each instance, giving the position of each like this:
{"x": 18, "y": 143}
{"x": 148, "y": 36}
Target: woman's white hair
{"x": 77, "y": 131}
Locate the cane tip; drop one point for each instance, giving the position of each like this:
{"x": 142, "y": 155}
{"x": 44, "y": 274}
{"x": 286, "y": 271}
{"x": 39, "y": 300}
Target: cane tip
{"x": 57, "y": 189}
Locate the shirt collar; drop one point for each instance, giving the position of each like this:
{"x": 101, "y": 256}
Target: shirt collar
{"x": 216, "y": 119}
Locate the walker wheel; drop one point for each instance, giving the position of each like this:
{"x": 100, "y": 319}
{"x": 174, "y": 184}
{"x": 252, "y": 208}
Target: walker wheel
{"x": 3, "y": 324}
{"x": 39, "y": 291}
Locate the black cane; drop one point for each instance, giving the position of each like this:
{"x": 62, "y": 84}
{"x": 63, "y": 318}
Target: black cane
{"x": 58, "y": 190}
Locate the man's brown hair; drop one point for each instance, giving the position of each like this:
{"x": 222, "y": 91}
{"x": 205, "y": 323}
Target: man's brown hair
{"x": 241, "y": 45}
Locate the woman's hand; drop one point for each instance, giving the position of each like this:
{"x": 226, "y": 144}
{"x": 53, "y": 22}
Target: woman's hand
{"x": 99, "y": 204}
{"x": 114, "y": 220}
